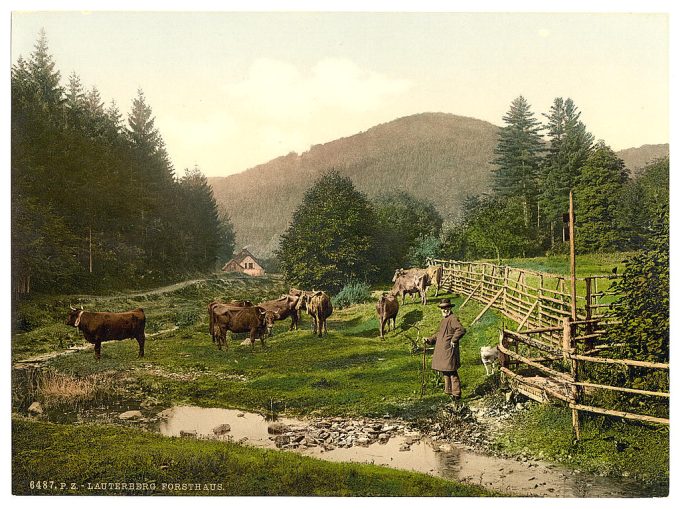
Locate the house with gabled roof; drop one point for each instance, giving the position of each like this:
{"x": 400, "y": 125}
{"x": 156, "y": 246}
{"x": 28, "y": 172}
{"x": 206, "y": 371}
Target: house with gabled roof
{"x": 244, "y": 262}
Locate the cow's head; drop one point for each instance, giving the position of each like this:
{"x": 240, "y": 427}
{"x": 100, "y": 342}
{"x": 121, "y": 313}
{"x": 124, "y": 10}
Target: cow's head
{"x": 270, "y": 317}
{"x": 73, "y": 318}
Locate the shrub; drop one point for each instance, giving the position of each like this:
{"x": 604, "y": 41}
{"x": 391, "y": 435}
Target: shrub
{"x": 352, "y": 293}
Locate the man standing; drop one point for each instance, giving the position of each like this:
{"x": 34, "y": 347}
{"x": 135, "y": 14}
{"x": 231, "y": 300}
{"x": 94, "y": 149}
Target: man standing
{"x": 446, "y": 357}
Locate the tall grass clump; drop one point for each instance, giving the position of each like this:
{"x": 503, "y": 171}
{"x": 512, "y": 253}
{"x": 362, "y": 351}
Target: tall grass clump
{"x": 352, "y": 293}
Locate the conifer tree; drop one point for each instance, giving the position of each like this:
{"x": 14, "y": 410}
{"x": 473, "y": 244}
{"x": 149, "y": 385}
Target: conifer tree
{"x": 570, "y": 144}
{"x": 518, "y": 157}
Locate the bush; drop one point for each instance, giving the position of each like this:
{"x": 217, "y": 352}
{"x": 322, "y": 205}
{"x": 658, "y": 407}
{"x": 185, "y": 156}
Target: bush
{"x": 352, "y": 293}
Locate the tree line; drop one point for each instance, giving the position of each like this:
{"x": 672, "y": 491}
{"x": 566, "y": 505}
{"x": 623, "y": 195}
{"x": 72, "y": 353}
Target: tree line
{"x": 536, "y": 166}
{"x": 95, "y": 201}
{"x": 338, "y": 235}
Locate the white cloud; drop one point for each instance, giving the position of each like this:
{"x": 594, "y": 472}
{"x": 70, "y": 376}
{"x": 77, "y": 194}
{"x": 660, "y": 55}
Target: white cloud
{"x": 279, "y": 90}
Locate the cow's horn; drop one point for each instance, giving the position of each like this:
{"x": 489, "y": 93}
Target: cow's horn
{"x": 72, "y": 308}
{"x": 81, "y": 306}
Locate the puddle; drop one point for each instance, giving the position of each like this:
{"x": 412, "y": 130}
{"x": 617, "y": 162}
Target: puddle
{"x": 449, "y": 461}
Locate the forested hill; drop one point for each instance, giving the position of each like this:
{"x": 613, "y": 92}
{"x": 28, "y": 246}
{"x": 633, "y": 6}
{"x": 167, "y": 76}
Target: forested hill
{"x": 438, "y": 156}
{"x": 637, "y": 158}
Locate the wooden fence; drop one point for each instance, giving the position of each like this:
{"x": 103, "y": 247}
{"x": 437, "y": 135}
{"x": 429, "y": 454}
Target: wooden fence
{"x": 549, "y": 355}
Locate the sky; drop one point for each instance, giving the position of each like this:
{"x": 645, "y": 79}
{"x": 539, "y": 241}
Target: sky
{"x": 230, "y": 90}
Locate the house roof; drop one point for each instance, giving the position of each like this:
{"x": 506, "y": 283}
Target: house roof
{"x": 243, "y": 255}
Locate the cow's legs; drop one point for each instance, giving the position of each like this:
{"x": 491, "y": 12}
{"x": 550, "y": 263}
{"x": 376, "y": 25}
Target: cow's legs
{"x": 382, "y": 329}
{"x": 141, "y": 339}
{"x": 293, "y": 320}
{"x": 98, "y": 350}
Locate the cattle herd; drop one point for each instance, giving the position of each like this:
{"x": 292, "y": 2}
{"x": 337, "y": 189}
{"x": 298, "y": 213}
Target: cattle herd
{"x": 258, "y": 319}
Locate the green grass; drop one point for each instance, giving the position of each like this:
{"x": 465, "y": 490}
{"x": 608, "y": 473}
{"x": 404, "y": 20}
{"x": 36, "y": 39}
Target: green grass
{"x": 607, "y": 446}
{"x": 586, "y": 264}
{"x": 349, "y": 372}
{"x": 94, "y": 455}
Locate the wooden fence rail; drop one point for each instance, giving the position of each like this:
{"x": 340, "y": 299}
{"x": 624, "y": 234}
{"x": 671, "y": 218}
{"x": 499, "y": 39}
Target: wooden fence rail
{"x": 548, "y": 340}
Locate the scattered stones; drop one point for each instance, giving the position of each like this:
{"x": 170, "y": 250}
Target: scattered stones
{"x": 221, "y": 429}
{"x": 335, "y": 432}
{"x": 404, "y": 447}
{"x": 241, "y": 415}
{"x": 130, "y": 414}
{"x": 188, "y": 433}
{"x": 35, "y": 408}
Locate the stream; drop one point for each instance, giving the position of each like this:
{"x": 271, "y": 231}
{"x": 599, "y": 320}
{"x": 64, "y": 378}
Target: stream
{"x": 408, "y": 451}
{"x": 386, "y": 442}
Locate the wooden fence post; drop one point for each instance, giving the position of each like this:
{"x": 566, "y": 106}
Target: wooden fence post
{"x": 505, "y": 287}
{"x": 590, "y": 342}
{"x": 540, "y": 303}
{"x": 568, "y": 349}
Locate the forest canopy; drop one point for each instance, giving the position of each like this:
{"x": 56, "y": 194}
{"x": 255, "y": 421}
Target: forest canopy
{"x": 96, "y": 203}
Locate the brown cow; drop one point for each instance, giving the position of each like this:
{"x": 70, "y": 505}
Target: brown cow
{"x": 280, "y": 309}
{"x": 319, "y": 307}
{"x": 238, "y": 319}
{"x": 99, "y": 327}
{"x": 410, "y": 282}
{"x": 387, "y": 308}
{"x": 211, "y": 306}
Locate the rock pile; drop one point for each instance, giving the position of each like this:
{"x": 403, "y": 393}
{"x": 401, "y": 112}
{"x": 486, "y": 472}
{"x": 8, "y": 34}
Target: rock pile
{"x": 335, "y": 432}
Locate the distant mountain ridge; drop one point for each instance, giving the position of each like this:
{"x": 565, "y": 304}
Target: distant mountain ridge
{"x": 438, "y": 156}
{"x": 639, "y": 157}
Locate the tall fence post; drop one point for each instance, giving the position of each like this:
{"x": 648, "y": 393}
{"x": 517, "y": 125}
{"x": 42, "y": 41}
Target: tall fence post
{"x": 589, "y": 313}
{"x": 505, "y": 287}
{"x": 568, "y": 350}
{"x": 540, "y": 302}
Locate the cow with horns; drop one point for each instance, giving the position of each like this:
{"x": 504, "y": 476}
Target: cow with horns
{"x": 100, "y": 327}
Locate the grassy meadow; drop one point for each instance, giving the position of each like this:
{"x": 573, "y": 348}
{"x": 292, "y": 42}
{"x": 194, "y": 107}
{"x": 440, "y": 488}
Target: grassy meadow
{"x": 349, "y": 372}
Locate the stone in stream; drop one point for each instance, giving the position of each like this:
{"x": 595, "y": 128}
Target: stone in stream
{"x": 277, "y": 428}
{"x": 383, "y": 437}
{"x": 221, "y": 429}
{"x": 282, "y": 440}
{"x": 130, "y": 414}
{"x": 404, "y": 447}
{"x": 35, "y": 408}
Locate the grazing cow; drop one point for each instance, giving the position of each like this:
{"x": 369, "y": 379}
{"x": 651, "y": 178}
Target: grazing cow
{"x": 99, "y": 327}
{"x": 410, "y": 282}
{"x": 435, "y": 274}
{"x": 280, "y": 309}
{"x": 319, "y": 307}
{"x": 211, "y": 306}
{"x": 387, "y": 308}
{"x": 238, "y": 319}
